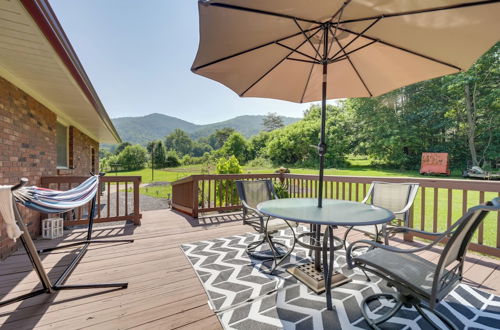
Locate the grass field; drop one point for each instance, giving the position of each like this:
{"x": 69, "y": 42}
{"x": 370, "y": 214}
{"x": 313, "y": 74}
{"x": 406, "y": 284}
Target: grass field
{"x": 360, "y": 169}
{"x": 176, "y": 173}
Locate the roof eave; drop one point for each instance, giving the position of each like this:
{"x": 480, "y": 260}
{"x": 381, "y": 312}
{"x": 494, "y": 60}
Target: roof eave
{"x": 47, "y": 22}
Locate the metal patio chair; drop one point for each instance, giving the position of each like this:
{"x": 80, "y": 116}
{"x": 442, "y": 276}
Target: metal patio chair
{"x": 419, "y": 282}
{"x": 396, "y": 197}
{"x": 252, "y": 193}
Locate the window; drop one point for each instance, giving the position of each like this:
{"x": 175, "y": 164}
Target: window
{"x": 62, "y": 145}
{"x": 92, "y": 159}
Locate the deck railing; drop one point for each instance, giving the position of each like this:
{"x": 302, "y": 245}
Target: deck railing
{"x": 117, "y": 199}
{"x": 439, "y": 202}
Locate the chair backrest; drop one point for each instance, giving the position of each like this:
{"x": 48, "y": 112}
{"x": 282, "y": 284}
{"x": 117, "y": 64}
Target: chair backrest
{"x": 255, "y": 192}
{"x": 460, "y": 233}
{"x": 392, "y": 196}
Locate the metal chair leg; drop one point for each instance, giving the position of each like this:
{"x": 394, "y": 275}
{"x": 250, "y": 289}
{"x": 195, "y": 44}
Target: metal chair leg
{"x": 368, "y": 279}
{"x": 441, "y": 316}
{"x": 267, "y": 238}
{"x": 290, "y": 250}
{"x": 373, "y": 323}
{"x": 345, "y": 237}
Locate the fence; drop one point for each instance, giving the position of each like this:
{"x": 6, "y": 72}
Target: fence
{"x": 438, "y": 204}
{"x": 117, "y": 199}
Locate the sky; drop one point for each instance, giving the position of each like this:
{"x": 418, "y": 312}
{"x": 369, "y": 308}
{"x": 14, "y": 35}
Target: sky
{"x": 138, "y": 55}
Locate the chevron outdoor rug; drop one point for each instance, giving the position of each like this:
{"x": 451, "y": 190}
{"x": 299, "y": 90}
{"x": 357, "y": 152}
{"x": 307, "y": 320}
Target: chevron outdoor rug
{"x": 244, "y": 296}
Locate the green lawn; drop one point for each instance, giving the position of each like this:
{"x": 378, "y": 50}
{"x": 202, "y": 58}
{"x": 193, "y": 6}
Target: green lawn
{"x": 173, "y": 174}
{"x": 157, "y": 192}
{"x": 166, "y": 175}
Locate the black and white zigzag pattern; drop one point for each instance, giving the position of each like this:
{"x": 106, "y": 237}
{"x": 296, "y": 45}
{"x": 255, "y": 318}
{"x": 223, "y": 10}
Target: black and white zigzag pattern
{"x": 244, "y": 296}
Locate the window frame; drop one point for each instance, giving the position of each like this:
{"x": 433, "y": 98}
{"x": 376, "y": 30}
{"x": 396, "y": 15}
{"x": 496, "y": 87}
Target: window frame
{"x": 65, "y": 167}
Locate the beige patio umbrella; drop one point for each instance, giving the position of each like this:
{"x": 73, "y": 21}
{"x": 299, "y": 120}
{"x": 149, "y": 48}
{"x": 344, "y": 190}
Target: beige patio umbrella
{"x": 310, "y": 50}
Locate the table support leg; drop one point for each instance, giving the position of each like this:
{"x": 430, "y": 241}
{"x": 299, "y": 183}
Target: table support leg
{"x": 328, "y": 264}
{"x": 317, "y": 252}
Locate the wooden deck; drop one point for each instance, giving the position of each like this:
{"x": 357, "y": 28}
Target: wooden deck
{"x": 163, "y": 293}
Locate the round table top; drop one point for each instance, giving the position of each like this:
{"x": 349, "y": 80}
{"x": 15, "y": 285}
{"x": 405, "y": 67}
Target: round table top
{"x": 333, "y": 212}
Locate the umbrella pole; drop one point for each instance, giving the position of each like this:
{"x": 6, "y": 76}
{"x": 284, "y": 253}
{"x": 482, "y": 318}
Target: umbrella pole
{"x": 322, "y": 145}
{"x": 322, "y": 142}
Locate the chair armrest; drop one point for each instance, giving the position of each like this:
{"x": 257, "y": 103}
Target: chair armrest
{"x": 408, "y": 229}
{"x": 245, "y": 205}
{"x": 368, "y": 194}
{"x": 374, "y": 244}
{"x": 384, "y": 247}
{"x": 405, "y": 209}
{"x": 411, "y": 199}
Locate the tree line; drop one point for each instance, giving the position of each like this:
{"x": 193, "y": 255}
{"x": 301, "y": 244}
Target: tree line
{"x": 458, "y": 114}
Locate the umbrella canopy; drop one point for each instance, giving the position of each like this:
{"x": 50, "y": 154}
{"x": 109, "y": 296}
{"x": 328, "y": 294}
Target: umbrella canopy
{"x": 310, "y": 50}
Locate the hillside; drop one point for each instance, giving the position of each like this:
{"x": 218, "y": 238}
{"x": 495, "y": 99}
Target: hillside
{"x": 157, "y": 126}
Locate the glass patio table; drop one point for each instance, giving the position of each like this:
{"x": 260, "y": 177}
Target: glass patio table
{"x": 333, "y": 213}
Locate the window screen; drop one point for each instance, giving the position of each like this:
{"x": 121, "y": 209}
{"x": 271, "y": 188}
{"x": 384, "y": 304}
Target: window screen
{"x": 62, "y": 145}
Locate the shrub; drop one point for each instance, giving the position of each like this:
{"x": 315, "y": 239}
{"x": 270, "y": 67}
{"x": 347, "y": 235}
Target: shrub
{"x": 172, "y": 160}
{"x": 226, "y": 190}
{"x": 133, "y": 157}
{"x": 260, "y": 162}
{"x": 281, "y": 190}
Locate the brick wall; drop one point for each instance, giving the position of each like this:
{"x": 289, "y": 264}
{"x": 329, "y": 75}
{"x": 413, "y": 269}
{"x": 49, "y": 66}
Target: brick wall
{"x": 28, "y": 149}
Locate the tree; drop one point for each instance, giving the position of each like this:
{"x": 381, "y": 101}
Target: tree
{"x": 179, "y": 141}
{"x": 257, "y": 144}
{"x": 158, "y": 153}
{"x": 133, "y": 157}
{"x": 476, "y": 94}
{"x": 200, "y": 148}
{"x": 236, "y": 146}
{"x": 219, "y": 137}
{"x": 103, "y": 153}
{"x": 272, "y": 121}
{"x": 457, "y": 114}
{"x": 172, "y": 159}
{"x": 295, "y": 144}
{"x": 122, "y": 146}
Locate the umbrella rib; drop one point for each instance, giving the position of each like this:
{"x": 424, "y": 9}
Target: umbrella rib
{"x": 307, "y": 83}
{"x": 252, "y": 49}
{"x": 307, "y": 38}
{"x": 354, "y": 67}
{"x": 422, "y": 11}
{"x": 301, "y": 60}
{"x": 343, "y": 57}
{"x": 274, "y": 67}
{"x": 359, "y": 35}
{"x": 263, "y": 12}
{"x": 339, "y": 11}
{"x": 404, "y": 49}
{"x": 296, "y": 51}
{"x": 334, "y": 33}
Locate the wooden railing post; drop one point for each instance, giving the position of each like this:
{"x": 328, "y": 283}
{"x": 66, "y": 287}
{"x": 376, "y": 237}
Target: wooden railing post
{"x": 195, "y": 197}
{"x": 409, "y": 236}
{"x": 137, "y": 213}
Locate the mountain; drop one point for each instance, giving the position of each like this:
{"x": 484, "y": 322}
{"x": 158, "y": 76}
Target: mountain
{"x": 157, "y": 126}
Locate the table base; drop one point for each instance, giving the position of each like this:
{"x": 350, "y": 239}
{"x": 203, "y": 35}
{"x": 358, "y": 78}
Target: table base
{"x": 314, "y": 279}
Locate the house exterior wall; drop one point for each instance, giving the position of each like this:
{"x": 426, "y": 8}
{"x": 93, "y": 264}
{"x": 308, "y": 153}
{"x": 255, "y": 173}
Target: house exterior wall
{"x": 28, "y": 149}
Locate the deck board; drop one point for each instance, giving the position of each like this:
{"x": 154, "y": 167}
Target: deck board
{"x": 163, "y": 293}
